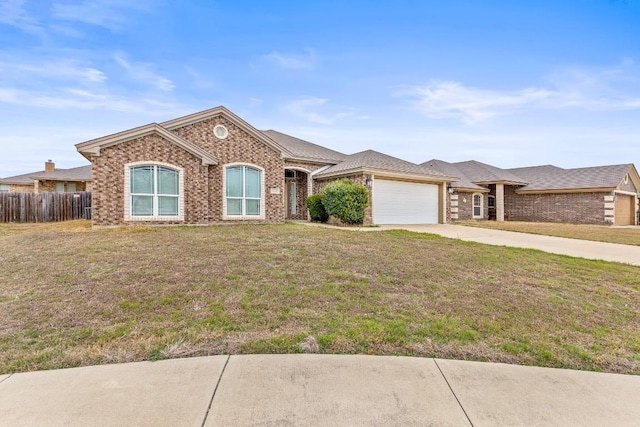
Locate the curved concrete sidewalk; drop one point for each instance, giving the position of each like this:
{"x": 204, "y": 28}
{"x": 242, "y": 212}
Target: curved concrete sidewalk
{"x": 627, "y": 254}
{"x": 317, "y": 390}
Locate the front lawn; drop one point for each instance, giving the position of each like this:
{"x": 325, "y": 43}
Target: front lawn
{"x": 72, "y": 296}
{"x": 597, "y": 233}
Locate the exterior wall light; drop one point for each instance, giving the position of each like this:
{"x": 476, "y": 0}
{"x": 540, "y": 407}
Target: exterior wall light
{"x": 450, "y": 188}
{"x": 369, "y": 182}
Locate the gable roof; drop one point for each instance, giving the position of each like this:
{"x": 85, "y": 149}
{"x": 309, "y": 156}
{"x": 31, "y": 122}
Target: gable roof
{"x": 81, "y": 173}
{"x": 550, "y": 178}
{"x": 94, "y": 146}
{"x": 482, "y": 173}
{"x": 463, "y": 183}
{"x": 304, "y": 150}
{"x": 222, "y": 111}
{"x": 371, "y": 161}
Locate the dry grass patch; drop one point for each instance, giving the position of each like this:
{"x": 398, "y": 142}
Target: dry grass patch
{"x": 72, "y": 296}
{"x": 597, "y": 233}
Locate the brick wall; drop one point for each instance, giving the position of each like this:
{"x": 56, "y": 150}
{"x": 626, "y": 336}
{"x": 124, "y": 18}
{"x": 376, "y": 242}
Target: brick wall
{"x": 238, "y": 147}
{"x": 574, "y": 208}
{"x": 465, "y": 205}
{"x": 46, "y": 186}
{"x": 16, "y": 188}
{"x": 203, "y": 192}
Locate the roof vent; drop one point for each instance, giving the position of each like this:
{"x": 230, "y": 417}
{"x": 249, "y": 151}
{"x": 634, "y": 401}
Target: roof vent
{"x": 220, "y": 131}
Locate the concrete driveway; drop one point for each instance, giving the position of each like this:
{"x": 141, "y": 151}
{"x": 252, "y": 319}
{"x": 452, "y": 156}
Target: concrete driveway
{"x": 558, "y": 245}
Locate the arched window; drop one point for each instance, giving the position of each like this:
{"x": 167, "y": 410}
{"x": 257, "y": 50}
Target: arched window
{"x": 477, "y": 205}
{"x": 244, "y": 194}
{"x": 154, "y": 192}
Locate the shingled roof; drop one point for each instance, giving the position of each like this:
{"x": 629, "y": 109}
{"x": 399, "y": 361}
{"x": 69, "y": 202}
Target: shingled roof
{"x": 81, "y": 173}
{"x": 548, "y": 178}
{"x": 449, "y": 169}
{"x": 371, "y": 161}
{"x": 482, "y": 173}
{"x": 305, "y": 150}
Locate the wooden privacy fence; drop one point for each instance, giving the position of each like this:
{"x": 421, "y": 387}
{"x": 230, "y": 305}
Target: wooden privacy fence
{"x": 44, "y": 207}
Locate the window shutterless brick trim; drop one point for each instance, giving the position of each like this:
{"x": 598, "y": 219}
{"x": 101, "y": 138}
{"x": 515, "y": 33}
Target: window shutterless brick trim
{"x": 227, "y": 217}
{"x": 127, "y": 193}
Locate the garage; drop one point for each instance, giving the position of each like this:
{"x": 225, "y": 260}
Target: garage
{"x": 398, "y": 202}
{"x": 625, "y": 210}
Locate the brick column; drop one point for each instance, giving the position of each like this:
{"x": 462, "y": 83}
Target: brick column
{"x": 499, "y": 202}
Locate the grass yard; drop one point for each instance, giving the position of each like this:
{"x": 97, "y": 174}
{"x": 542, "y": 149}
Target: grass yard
{"x": 597, "y": 233}
{"x": 72, "y": 296}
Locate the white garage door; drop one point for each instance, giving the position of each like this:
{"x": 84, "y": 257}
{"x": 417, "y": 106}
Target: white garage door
{"x": 396, "y": 202}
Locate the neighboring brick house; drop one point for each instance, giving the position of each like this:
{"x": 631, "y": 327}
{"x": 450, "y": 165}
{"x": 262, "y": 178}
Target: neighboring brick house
{"x": 51, "y": 179}
{"x": 213, "y": 167}
{"x": 595, "y": 195}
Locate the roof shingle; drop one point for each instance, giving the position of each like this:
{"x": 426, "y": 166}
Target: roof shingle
{"x": 451, "y": 170}
{"x": 81, "y": 173}
{"x": 305, "y": 150}
{"x": 479, "y": 172}
{"x": 545, "y": 178}
{"x": 374, "y": 161}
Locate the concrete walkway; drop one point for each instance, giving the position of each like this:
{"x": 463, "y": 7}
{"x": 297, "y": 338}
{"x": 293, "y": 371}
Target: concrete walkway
{"x": 558, "y": 245}
{"x": 318, "y": 390}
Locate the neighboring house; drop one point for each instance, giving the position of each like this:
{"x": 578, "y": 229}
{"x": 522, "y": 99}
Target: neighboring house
{"x": 51, "y": 179}
{"x": 594, "y": 195}
{"x": 213, "y": 167}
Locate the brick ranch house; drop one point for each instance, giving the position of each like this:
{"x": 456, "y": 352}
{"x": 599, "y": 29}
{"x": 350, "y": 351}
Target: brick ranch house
{"x": 51, "y": 179}
{"x": 213, "y": 167}
{"x": 595, "y": 195}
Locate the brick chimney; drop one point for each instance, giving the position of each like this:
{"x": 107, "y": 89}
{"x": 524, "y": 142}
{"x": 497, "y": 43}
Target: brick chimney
{"x": 49, "y": 166}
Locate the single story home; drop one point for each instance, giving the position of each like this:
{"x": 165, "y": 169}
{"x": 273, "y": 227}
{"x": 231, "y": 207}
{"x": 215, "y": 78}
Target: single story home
{"x": 213, "y": 167}
{"x": 605, "y": 195}
{"x": 51, "y": 179}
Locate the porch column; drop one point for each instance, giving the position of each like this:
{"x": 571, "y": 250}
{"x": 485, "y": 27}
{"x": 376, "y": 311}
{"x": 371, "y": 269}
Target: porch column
{"x": 443, "y": 203}
{"x": 499, "y": 202}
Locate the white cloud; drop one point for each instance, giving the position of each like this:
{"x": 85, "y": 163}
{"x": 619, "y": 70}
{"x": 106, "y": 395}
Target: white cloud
{"x": 442, "y": 100}
{"x": 81, "y": 99}
{"x": 291, "y": 61}
{"x": 110, "y": 14}
{"x": 143, "y": 72}
{"x": 593, "y": 89}
{"x": 54, "y": 69}
{"x": 306, "y": 108}
{"x": 13, "y": 12}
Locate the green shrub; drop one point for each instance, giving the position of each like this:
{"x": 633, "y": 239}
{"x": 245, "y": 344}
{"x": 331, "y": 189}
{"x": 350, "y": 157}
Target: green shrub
{"x": 316, "y": 208}
{"x": 346, "y": 201}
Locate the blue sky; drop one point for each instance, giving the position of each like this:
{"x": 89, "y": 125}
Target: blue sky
{"x": 510, "y": 83}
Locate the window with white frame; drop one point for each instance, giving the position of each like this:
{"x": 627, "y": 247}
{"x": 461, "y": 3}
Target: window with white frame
{"x": 71, "y": 187}
{"x": 154, "y": 191}
{"x": 477, "y": 205}
{"x": 59, "y": 187}
{"x": 4, "y": 188}
{"x": 243, "y": 191}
